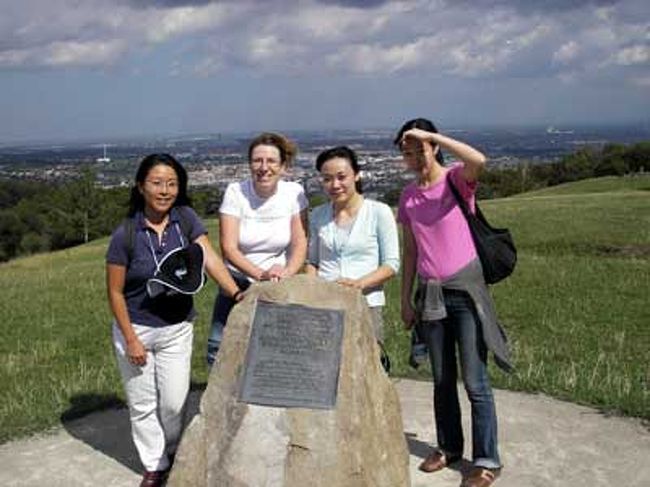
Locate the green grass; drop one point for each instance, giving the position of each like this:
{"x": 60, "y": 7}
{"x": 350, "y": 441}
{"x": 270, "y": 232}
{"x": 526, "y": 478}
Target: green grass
{"x": 595, "y": 185}
{"x": 56, "y": 358}
{"x": 575, "y": 310}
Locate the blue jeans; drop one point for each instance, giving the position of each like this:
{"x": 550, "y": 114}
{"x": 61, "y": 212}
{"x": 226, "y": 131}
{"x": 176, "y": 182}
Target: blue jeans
{"x": 222, "y": 306}
{"x": 462, "y": 327}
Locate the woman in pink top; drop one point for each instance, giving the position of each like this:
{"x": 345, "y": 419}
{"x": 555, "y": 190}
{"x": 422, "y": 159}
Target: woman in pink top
{"x": 438, "y": 248}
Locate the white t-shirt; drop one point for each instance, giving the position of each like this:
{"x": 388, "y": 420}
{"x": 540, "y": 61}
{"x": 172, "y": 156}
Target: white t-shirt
{"x": 264, "y": 224}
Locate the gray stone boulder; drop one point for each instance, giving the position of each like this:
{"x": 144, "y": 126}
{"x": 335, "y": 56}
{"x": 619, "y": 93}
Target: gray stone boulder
{"x": 358, "y": 443}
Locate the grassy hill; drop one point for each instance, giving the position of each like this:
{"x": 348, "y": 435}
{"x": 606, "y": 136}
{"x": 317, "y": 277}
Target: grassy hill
{"x": 575, "y": 310}
{"x": 594, "y": 185}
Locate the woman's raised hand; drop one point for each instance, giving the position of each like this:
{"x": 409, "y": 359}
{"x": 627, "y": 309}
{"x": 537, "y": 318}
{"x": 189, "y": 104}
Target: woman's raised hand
{"x": 419, "y": 135}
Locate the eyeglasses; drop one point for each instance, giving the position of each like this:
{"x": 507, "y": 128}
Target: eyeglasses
{"x": 158, "y": 185}
{"x": 259, "y": 162}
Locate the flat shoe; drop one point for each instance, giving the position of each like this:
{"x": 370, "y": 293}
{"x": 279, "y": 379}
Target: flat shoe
{"x": 481, "y": 477}
{"x": 437, "y": 461}
{"x": 155, "y": 478}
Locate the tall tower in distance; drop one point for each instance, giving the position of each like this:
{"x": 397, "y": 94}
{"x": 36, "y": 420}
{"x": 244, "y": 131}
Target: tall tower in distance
{"x": 104, "y": 159}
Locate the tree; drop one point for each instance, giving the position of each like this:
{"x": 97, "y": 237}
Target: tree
{"x": 206, "y": 200}
{"x": 33, "y": 242}
{"x": 11, "y": 233}
{"x": 80, "y": 205}
{"x": 637, "y": 157}
{"x": 391, "y": 197}
{"x": 13, "y": 191}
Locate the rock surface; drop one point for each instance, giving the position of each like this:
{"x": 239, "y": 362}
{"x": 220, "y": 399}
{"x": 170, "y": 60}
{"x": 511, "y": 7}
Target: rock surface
{"x": 358, "y": 443}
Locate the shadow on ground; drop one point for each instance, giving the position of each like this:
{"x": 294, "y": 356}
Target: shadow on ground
{"x": 422, "y": 449}
{"x": 109, "y": 430}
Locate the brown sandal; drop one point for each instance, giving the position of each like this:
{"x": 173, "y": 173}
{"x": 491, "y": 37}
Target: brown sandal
{"x": 437, "y": 461}
{"x": 481, "y": 477}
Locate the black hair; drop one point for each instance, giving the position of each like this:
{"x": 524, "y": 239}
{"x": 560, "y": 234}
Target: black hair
{"x": 422, "y": 124}
{"x": 344, "y": 152}
{"x": 136, "y": 201}
{"x": 286, "y": 148}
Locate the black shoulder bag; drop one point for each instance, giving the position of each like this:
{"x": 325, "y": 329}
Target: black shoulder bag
{"x": 495, "y": 248}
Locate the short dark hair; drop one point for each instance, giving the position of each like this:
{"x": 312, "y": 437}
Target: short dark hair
{"x": 287, "y": 148}
{"x": 136, "y": 201}
{"x": 344, "y": 152}
{"x": 422, "y": 124}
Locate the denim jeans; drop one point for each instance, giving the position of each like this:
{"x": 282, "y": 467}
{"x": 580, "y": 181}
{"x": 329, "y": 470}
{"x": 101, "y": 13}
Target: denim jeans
{"x": 462, "y": 328}
{"x": 222, "y": 306}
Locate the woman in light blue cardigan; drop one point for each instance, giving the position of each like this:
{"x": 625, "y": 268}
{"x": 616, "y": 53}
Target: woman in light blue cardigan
{"x": 352, "y": 240}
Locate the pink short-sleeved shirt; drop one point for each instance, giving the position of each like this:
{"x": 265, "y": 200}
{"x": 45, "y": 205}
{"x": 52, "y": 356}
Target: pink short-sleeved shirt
{"x": 443, "y": 239}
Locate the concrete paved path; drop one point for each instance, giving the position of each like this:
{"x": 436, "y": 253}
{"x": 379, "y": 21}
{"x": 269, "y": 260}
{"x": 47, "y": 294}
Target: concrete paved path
{"x": 544, "y": 442}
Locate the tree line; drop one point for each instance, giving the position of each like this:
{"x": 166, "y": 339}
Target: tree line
{"x": 40, "y": 217}
{"x": 586, "y": 162}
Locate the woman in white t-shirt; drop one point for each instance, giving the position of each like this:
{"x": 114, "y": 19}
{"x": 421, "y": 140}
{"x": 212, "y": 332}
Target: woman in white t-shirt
{"x": 262, "y": 225}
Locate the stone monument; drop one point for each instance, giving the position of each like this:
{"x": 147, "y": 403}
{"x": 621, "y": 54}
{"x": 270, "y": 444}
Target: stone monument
{"x": 356, "y": 440}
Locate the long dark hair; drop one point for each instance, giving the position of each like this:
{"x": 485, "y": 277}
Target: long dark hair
{"x": 344, "y": 152}
{"x": 422, "y": 124}
{"x": 136, "y": 201}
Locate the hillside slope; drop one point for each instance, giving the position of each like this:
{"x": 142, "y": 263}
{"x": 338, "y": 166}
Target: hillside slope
{"x": 575, "y": 309}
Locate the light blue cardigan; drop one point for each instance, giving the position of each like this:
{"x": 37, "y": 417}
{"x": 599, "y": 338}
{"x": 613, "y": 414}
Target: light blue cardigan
{"x": 373, "y": 242}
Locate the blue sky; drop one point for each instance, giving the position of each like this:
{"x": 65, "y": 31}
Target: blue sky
{"x": 99, "y": 69}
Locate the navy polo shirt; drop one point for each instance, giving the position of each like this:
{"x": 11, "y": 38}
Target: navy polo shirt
{"x": 147, "y": 249}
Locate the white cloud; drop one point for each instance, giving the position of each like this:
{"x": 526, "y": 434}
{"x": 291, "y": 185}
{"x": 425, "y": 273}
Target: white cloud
{"x": 369, "y": 59}
{"x": 480, "y": 48}
{"x": 329, "y": 24}
{"x": 632, "y": 55}
{"x": 185, "y": 20}
{"x": 566, "y": 53}
{"x": 83, "y": 53}
{"x": 205, "y": 68}
{"x": 499, "y": 38}
{"x": 604, "y": 14}
{"x": 262, "y": 48}
{"x": 13, "y": 57}
{"x": 57, "y": 33}
{"x": 72, "y": 53}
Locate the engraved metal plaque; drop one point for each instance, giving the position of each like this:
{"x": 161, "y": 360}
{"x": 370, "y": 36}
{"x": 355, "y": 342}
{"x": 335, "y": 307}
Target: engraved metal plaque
{"x": 293, "y": 357}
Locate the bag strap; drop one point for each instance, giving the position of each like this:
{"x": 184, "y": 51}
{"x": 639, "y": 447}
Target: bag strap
{"x": 129, "y": 234}
{"x": 459, "y": 199}
{"x": 185, "y": 222}
{"x": 462, "y": 203}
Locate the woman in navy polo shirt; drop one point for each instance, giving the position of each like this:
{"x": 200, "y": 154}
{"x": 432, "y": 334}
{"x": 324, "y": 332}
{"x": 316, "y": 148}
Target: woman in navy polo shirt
{"x": 153, "y": 336}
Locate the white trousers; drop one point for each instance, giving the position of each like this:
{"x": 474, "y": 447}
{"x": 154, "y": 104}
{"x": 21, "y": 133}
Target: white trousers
{"x": 156, "y": 392}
